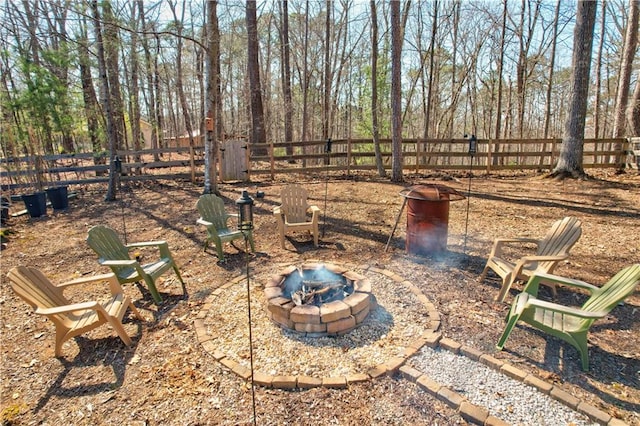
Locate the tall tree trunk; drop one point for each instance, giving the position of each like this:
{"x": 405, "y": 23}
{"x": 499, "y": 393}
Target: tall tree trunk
{"x": 622, "y": 98}
{"x": 180, "y": 86}
{"x": 633, "y": 110}
{"x": 430, "y": 92}
{"x": 548, "y": 100}
{"x": 570, "y": 159}
{"x": 111, "y": 43}
{"x": 503, "y": 31}
{"x": 598, "y": 77}
{"x": 396, "y": 93}
{"x": 327, "y": 72}
{"x": 112, "y": 134}
{"x": 91, "y": 107}
{"x": 258, "y": 132}
{"x": 213, "y": 84}
{"x": 286, "y": 78}
{"x": 375, "y": 107}
{"x": 136, "y": 133}
{"x": 149, "y": 70}
{"x": 159, "y": 98}
{"x": 305, "y": 79}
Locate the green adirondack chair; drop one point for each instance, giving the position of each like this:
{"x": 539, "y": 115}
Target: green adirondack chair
{"x": 114, "y": 254}
{"x": 570, "y": 324}
{"x": 214, "y": 217}
{"x": 550, "y": 250}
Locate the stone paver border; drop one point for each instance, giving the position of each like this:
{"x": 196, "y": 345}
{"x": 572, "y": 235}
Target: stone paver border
{"x": 389, "y": 367}
{"x": 432, "y": 338}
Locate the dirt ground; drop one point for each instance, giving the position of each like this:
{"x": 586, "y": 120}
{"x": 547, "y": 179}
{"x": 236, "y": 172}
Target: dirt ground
{"x": 166, "y": 377}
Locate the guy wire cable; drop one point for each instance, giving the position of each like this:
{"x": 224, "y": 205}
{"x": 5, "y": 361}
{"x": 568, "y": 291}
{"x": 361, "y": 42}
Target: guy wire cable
{"x": 327, "y": 149}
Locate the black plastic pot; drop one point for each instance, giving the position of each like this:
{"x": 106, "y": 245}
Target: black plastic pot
{"x": 35, "y": 203}
{"x": 58, "y": 197}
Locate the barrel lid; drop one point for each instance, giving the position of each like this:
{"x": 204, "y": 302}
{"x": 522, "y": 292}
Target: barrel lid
{"x": 431, "y": 192}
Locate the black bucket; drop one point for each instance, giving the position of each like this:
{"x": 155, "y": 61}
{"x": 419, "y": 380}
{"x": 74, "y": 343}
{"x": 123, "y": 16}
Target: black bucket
{"x": 35, "y": 203}
{"x": 59, "y": 197}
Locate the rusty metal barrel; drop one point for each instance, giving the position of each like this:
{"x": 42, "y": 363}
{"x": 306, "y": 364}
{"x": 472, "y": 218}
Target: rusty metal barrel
{"x": 428, "y": 217}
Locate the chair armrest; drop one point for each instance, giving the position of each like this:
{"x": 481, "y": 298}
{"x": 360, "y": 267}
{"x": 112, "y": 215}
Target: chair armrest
{"x": 568, "y": 310}
{"x": 201, "y": 221}
{"x": 114, "y": 284}
{"x": 537, "y": 258}
{"x": 88, "y": 279}
{"x": 533, "y": 283}
{"x": 147, "y": 244}
{"x": 313, "y": 209}
{"x": 498, "y": 243}
{"x": 277, "y": 211}
{"x": 83, "y": 306}
{"x": 118, "y": 262}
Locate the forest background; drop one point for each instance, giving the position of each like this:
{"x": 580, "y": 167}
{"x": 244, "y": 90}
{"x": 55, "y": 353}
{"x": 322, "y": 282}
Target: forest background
{"x": 87, "y": 76}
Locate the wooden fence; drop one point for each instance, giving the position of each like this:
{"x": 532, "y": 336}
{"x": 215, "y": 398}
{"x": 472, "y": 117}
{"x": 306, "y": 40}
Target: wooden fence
{"x": 345, "y": 156}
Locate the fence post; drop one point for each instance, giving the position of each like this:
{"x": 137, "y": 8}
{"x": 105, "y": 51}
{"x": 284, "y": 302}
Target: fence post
{"x": 271, "y": 160}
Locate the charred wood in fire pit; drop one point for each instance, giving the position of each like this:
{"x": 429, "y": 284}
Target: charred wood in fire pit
{"x": 310, "y": 294}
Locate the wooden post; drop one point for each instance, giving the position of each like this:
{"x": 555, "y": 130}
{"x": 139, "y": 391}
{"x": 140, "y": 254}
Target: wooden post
{"x": 271, "y": 160}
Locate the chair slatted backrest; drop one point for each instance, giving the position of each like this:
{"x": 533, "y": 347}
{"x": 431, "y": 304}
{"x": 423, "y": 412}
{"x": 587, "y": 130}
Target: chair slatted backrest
{"x": 614, "y": 291}
{"x": 106, "y": 243}
{"x": 34, "y": 287}
{"x": 294, "y": 203}
{"x": 561, "y": 238}
{"x": 211, "y": 209}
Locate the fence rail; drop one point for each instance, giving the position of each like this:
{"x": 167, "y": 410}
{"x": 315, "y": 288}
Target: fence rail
{"x": 311, "y": 157}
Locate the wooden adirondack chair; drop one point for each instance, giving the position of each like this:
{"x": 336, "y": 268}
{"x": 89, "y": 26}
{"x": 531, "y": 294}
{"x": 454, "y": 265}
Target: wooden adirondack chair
{"x": 214, "y": 217}
{"x": 114, "y": 254}
{"x": 569, "y": 323}
{"x": 551, "y": 249}
{"x": 72, "y": 319}
{"x": 291, "y": 215}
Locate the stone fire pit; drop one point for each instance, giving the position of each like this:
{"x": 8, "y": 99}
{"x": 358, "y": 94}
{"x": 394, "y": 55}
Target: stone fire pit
{"x": 318, "y": 299}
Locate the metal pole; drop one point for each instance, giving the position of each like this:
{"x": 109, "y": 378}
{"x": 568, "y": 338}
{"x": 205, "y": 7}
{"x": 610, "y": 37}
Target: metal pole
{"x": 396, "y": 225}
{"x": 253, "y": 392}
{"x": 473, "y": 147}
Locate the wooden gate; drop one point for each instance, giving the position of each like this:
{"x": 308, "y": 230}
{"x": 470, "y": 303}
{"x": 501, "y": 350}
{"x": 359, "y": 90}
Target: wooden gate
{"x": 234, "y": 160}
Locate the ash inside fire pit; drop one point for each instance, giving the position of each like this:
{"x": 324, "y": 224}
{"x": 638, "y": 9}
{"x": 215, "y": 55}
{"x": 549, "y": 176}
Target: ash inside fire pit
{"x": 318, "y": 299}
{"x": 316, "y": 286}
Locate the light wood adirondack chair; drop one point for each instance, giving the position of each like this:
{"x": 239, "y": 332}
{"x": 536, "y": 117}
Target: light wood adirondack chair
{"x": 114, "y": 254}
{"x": 72, "y": 319}
{"x": 569, "y": 323}
{"x": 551, "y": 249}
{"x": 291, "y": 215}
{"x": 214, "y": 217}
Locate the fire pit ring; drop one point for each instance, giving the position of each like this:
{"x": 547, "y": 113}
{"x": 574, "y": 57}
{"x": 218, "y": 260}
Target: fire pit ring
{"x": 318, "y": 299}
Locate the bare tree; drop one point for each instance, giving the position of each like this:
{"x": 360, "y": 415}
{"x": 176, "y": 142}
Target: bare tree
{"x": 258, "y": 132}
{"x": 212, "y": 98}
{"x": 179, "y": 84}
{"x": 633, "y": 110}
{"x": 112, "y": 135}
{"x": 136, "y": 133}
{"x": 396, "y": 93}
{"x": 598, "y": 76}
{"x": 570, "y": 159}
{"x": 326, "y": 113}
{"x": 286, "y": 76}
{"x": 374, "y": 89}
{"x": 622, "y": 98}
{"x": 111, "y": 41}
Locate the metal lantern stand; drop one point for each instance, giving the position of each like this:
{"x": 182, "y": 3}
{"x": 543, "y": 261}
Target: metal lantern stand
{"x": 473, "y": 148}
{"x": 245, "y": 225}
